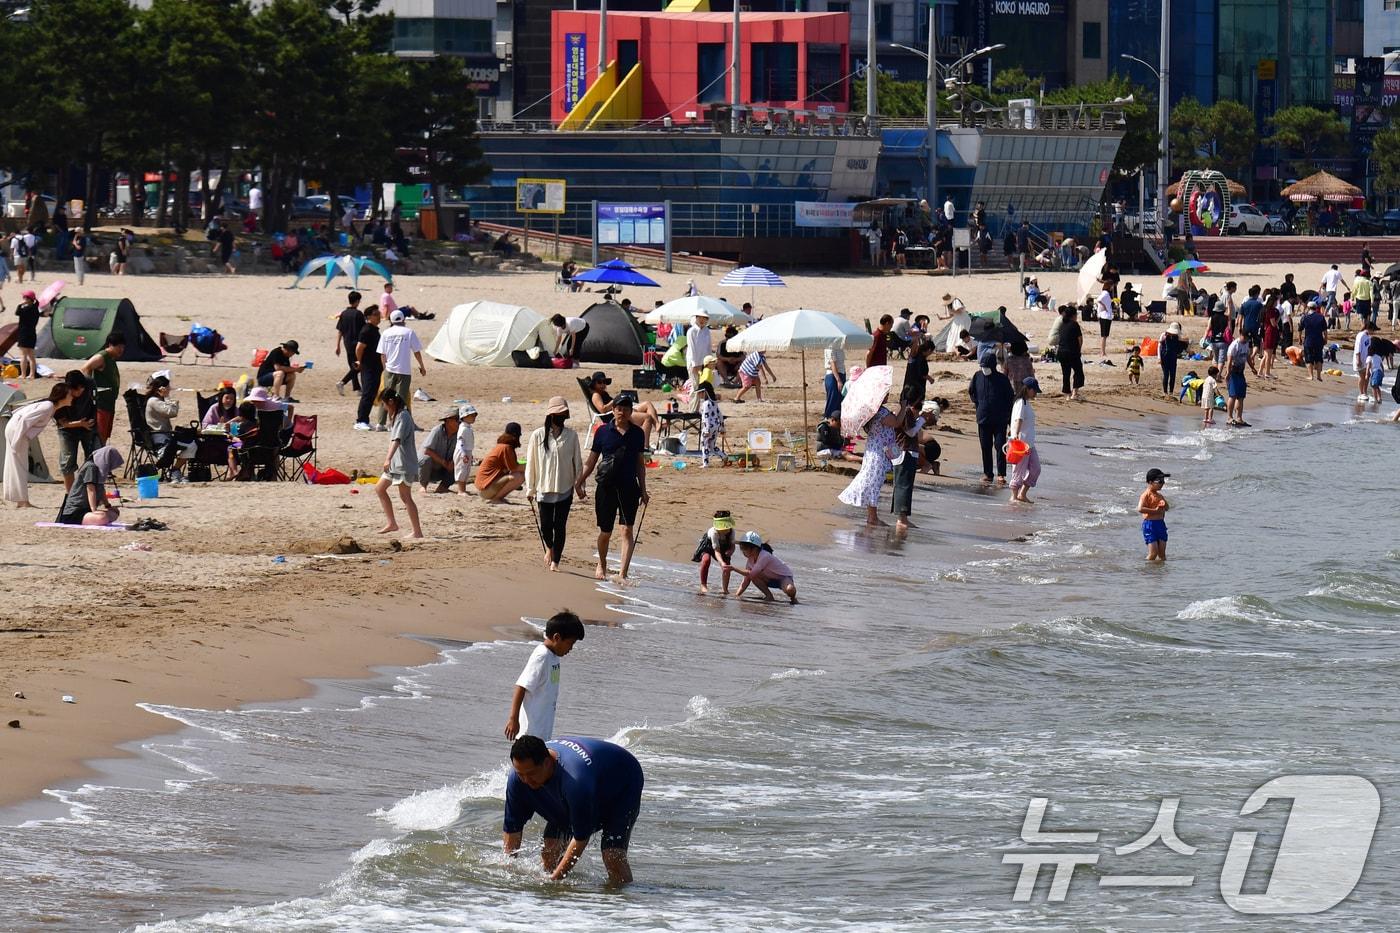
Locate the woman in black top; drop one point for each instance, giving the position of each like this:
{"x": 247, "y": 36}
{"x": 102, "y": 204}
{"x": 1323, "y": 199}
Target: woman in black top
{"x": 28, "y": 313}
{"x": 916, "y": 378}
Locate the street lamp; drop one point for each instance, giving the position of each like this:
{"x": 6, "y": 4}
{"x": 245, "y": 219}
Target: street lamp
{"x": 937, "y": 73}
{"x": 1163, "y": 75}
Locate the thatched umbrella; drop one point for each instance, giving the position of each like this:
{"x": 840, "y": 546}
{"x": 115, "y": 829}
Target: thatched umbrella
{"x": 1324, "y": 186}
{"x": 1237, "y": 190}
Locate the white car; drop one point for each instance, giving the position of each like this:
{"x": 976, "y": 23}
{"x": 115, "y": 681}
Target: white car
{"x": 1246, "y": 218}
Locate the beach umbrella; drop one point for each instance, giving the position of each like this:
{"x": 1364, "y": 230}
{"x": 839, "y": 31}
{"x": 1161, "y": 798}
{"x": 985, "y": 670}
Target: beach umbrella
{"x": 1322, "y": 186}
{"x": 1089, "y": 273}
{"x": 864, "y": 396}
{"x": 801, "y": 330}
{"x": 1193, "y": 265}
{"x": 751, "y": 277}
{"x": 311, "y": 265}
{"x": 354, "y": 265}
{"x": 614, "y": 272}
{"x": 49, "y": 295}
{"x": 680, "y": 311}
{"x": 1392, "y": 271}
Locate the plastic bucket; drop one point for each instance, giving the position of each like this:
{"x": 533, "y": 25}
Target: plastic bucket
{"x": 148, "y": 487}
{"x": 1016, "y": 450}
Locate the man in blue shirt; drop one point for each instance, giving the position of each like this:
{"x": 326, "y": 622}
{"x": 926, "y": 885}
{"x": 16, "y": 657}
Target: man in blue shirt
{"x": 1250, "y": 313}
{"x": 1313, "y": 328}
{"x": 580, "y": 786}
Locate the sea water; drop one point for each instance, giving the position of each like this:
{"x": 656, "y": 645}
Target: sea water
{"x": 865, "y": 760}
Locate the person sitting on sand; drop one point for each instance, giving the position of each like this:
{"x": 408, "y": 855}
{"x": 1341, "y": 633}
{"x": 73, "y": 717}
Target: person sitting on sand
{"x": 87, "y": 503}
{"x": 831, "y": 445}
{"x": 966, "y": 347}
{"x": 765, "y": 570}
{"x": 435, "y": 455}
{"x": 500, "y": 473}
{"x": 642, "y": 414}
{"x": 716, "y": 544}
{"x": 400, "y": 464}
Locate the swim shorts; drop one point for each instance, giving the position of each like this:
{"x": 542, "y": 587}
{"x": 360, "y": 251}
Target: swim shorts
{"x": 1377, "y": 378}
{"x": 1235, "y": 385}
{"x": 1312, "y": 354}
{"x": 1154, "y": 530}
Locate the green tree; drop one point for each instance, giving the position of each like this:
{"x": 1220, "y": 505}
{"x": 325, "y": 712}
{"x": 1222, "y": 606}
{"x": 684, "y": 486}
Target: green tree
{"x": 898, "y": 99}
{"x": 1308, "y": 134}
{"x": 1385, "y": 160}
{"x": 1220, "y": 137}
{"x": 439, "y": 121}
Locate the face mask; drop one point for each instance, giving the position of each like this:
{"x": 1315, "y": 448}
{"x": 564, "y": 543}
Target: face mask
{"x": 988, "y": 370}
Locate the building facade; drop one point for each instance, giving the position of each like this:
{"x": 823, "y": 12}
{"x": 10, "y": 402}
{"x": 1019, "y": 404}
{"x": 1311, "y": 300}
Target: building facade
{"x": 1381, "y": 20}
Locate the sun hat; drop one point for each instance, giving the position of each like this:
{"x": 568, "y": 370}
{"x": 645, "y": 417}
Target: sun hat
{"x": 557, "y": 406}
{"x": 260, "y": 399}
{"x": 1174, "y": 327}
{"x": 450, "y": 413}
{"x": 466, "y": 411}
{"x": 1155, "y": 475}
{"x": 602, "y": 377}
{"x": 292, "y": 345}
{"x": 396, "y": 316}
{"x": 723, "y": 521}
{"x": 752, "y": 537}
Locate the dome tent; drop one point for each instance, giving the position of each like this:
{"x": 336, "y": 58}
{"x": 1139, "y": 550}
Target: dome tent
{"x": 613, "y": 335}
{"x": 485, "y": 333}
{"x": 79, "y": 328}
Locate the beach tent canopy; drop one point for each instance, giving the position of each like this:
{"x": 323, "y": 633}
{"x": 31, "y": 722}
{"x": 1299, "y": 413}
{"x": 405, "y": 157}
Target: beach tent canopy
{"x": 346, "y": 265}
{"x": 1322, "y": 186}
{"x": 485, "y": 333}
{"x": 613, "y": 335}
{"x": 79, "y": 328}
{"x": 12, "y": 399}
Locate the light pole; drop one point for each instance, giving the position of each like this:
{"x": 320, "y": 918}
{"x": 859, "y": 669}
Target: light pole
{"x": 936, "y": 74}
{"x": 1163, "y": 124}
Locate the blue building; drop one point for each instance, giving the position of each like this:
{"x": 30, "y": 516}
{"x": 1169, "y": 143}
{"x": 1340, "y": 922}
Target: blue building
{"x": 1134, "y": 28}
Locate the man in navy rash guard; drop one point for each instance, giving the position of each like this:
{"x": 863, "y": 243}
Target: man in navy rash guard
{"x": 580, "y": 787}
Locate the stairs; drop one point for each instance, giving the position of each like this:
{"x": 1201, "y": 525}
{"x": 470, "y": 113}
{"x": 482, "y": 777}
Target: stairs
{"x": 1253, "y": 250}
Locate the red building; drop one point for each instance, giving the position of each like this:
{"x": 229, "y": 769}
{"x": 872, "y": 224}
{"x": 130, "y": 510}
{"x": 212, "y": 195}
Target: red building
{"x": 682, "y": 60}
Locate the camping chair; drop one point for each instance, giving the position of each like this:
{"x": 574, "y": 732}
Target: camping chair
{"x": 594, "y": 417}
{"x": 143, "y": 450}
{"x": 300, "y": 448}
{"x": 205, "y": 341}
{"x": 203, "y": 403}
{"x": 262, "y": 456}
{"x": 559, "y": 284}
{"x": 174, "y": 346}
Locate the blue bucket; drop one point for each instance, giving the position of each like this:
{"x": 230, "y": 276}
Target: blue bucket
{"x": 148, "y": 487}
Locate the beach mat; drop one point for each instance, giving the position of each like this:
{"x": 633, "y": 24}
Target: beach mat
{"x": 117, "y": 527}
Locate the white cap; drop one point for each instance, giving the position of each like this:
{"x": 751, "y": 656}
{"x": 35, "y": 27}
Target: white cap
{"x": 752, "y": 537}
{"x": 396, "y": 316}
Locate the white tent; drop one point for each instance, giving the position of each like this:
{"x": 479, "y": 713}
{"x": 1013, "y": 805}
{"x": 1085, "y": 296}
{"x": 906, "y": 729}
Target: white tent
{"x": 946, "y": 340}
{"x": 485, "y": 333}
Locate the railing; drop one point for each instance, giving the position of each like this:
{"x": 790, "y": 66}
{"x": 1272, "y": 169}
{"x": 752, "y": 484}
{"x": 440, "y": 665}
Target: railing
{"x": 690, "y": 219}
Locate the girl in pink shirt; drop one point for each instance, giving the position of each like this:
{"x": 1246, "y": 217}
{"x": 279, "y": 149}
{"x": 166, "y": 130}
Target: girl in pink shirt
{"x": 765, "y": 571}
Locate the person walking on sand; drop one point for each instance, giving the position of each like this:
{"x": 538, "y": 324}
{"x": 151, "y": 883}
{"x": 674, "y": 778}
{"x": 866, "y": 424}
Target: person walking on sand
{"x": 1104, "y": 312}
{"x": 347, "y": 334}
{"x": 1025, "y": 473}
{"x": 553, "y": 462}
{"x": 1070, "y": 353}
{"x": 1169, "y": 349}
{"x": 992, "y": 396}
{"x": 369, "y": 366}
{"x": 1152, "y": 506}
{"x": 400, "y": 465}
{"x": 617, "y": 456}
{"x": 27, "y": 423}
{"x": 399, "y": 347}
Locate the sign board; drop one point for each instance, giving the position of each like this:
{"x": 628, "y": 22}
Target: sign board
{"x": 962, "y": 238}
{"x": 575, "y": 68}
{"x": 1367, "y": 120}
{"x": 539, "y": 195}
{"x": 823, "y": 214}
{"x": 642, "y": 224}
{"x": 483, "y": 74}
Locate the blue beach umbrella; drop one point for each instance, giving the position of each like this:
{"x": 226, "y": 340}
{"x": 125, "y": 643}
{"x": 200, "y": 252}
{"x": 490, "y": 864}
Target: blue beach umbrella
{"x": 615, "y": 272}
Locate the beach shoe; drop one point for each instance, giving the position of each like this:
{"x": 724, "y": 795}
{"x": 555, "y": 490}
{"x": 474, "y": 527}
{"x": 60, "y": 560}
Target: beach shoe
{"x": 292, "y": 401}
{"x": 340, "y": 388}
{"x": 1243, "y": 424}
{"x": 420, "y": 396}
{"x": 361, "y": 425}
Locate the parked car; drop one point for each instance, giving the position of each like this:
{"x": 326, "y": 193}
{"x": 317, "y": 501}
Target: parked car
{"x": 322, "y": 203}
{"x": 1357, "y": 222}
{"x": 1246, "y": 218}
{"x": 1390, "y": 220}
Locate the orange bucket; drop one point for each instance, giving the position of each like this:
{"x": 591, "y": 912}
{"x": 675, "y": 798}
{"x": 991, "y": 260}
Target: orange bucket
{"x": 1149, "y": 347}
{"x": 1016, "y": 450}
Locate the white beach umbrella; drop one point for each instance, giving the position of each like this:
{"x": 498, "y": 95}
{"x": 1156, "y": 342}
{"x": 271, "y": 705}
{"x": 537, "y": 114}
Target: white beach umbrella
{"x": 680, "y": 311}
{"x": 1089, "y": 274}
{"x": 801, "y": 330}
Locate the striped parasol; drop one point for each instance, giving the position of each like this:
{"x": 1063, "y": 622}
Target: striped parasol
{"x": 751, "y": 277}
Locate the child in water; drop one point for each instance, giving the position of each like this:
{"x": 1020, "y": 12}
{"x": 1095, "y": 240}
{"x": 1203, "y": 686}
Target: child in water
{"x": 765, "y": 571}
{"x": 1135, "y": 367}
{"x": 1152, "y": 506}
{"x": 716, "y": 544}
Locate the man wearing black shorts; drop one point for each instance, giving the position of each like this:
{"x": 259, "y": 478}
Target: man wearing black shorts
{"x": 580, "y": 786}
{"x": 622, "y": 482}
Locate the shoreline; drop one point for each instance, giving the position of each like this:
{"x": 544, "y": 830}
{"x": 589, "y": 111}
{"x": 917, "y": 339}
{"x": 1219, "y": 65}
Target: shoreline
{"x": 209, "y": 619}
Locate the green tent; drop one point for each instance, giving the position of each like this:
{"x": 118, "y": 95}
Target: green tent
{"x": 79, "y": 328}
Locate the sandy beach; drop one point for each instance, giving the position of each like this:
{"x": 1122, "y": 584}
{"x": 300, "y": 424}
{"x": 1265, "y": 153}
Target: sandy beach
{"x": 206, "y": 617}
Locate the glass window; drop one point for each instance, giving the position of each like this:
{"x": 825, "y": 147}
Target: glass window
{"x": 1093, "y": 40}
{"x": 833, "y": 6}
{"x": 773, "y": 71}
{"x": 437, "y": 35}
{"x": 710, "y": 71}
{"x": 826, "y": 82}
{"x": 884, "y": 22}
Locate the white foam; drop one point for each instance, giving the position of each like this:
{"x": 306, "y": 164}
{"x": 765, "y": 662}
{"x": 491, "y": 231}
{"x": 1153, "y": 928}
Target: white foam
{"x": 439, "y": 808}
{"x": 793, "y": 673}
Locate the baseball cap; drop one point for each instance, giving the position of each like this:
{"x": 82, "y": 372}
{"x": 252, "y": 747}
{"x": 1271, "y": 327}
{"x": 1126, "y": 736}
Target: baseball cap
{"x": 623, "y": 401}
{"x": 396, "y": 316}
{"x": 292, "y": 345}
{"x": 752, "y": 537}
{"x": 602, "y": 377}
{"x": 557, "y": 406}
{"x": 29, "y": 293}
{"x": 1030, "y": 382}
{"x": 1155, "y": 475}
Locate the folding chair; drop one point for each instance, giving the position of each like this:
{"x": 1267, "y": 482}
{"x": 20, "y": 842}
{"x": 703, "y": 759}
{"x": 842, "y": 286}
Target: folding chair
{"x": 172, "y": 345}
{"x": 758, "y": 440}
{"x": 300, "y": 448}
{"x": 262, "y": 455}
{"x": 203, "y": 404}
{"x": 142, "y": 451}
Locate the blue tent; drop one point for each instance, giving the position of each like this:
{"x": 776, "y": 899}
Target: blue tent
{"x": 348, "y": 265}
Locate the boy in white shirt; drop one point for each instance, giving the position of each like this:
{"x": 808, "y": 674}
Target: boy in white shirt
{"x": 462, "y": 463}
{"x": 537, "y": 687}
{"x": 1208, "y": 390}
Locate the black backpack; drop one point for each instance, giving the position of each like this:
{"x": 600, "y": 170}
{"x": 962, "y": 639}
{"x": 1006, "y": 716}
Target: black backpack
{"x": 22, "y": 247}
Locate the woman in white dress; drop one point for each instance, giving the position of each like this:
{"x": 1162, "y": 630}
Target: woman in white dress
{"x": 880, "y": 447}
{"x": 27, "y": 423}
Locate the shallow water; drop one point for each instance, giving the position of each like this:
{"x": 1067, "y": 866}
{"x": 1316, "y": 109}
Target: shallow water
{"x": 865, "y": 759}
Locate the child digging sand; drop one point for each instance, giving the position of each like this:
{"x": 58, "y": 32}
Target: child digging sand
{"x": 463, "y": 464}
{"x": 716, "y": 544}
{"x": 1152, "y": 506}
{"x": 537, "y": 688}
{"x": 765, "y": 571}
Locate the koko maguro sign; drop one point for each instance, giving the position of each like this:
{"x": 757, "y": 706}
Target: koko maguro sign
{"x": 1027, "y": 8}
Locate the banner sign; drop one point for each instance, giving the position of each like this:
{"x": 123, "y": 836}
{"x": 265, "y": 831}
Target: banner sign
{"x": 539, "y": 195}
{"x": 1344, "y": 92}
{"x": 823, "y": 214}
{"x": 632, "y": 224}
{"x": 483, "y": 74}
{"x": 1366, "y": 117}
{"x": 575, "y": 68}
